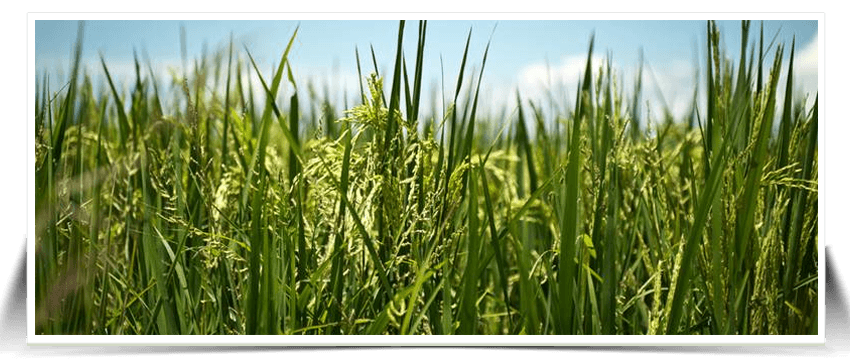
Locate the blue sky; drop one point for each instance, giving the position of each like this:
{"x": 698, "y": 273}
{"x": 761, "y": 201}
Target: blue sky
{"x": 524, "y": 55}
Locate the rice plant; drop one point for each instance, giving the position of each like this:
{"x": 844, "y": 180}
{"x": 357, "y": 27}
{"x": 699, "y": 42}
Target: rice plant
{"x": 224, "y": 215}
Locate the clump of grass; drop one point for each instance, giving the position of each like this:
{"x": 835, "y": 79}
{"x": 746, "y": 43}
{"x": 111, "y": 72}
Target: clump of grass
{"x": 217, "y": 218}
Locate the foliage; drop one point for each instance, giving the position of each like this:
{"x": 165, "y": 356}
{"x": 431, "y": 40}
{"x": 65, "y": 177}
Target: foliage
{"x": 222, "y": 216}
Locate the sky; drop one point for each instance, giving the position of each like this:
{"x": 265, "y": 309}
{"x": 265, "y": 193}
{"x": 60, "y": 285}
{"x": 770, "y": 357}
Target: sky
{"x": 524, "y": 56}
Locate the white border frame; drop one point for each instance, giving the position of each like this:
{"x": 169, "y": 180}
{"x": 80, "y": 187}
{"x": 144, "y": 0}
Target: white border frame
{"x": 403, "y": 340}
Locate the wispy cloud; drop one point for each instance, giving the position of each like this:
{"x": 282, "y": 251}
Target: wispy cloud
{"x": 806, "y": 67}
{"x": 671, "y": 83}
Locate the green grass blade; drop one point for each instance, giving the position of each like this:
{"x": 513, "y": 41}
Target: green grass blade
{"x": 468, "y": 314}
{"x": 570, "y": 215}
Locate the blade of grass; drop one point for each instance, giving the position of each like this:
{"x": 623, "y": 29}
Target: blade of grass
{"x": 468, "y": 314}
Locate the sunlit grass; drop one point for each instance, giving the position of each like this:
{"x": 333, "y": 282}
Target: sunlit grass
{"x": 227, "y": 216}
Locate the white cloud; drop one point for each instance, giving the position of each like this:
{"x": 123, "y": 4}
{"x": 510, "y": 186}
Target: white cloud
{"x": 122, "y": 72}
{"x": 536, "y": 78}
{"x": 805, "y": 83}
{"x": 673, "y": 80}
{"x": 806, "y": 68}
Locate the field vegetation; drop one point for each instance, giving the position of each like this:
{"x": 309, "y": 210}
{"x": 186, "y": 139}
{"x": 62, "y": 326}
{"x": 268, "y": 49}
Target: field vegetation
{"x": 222, "y": 214}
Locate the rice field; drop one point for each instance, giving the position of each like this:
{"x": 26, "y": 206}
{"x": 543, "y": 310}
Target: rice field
{"x": 223, "y": 214}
